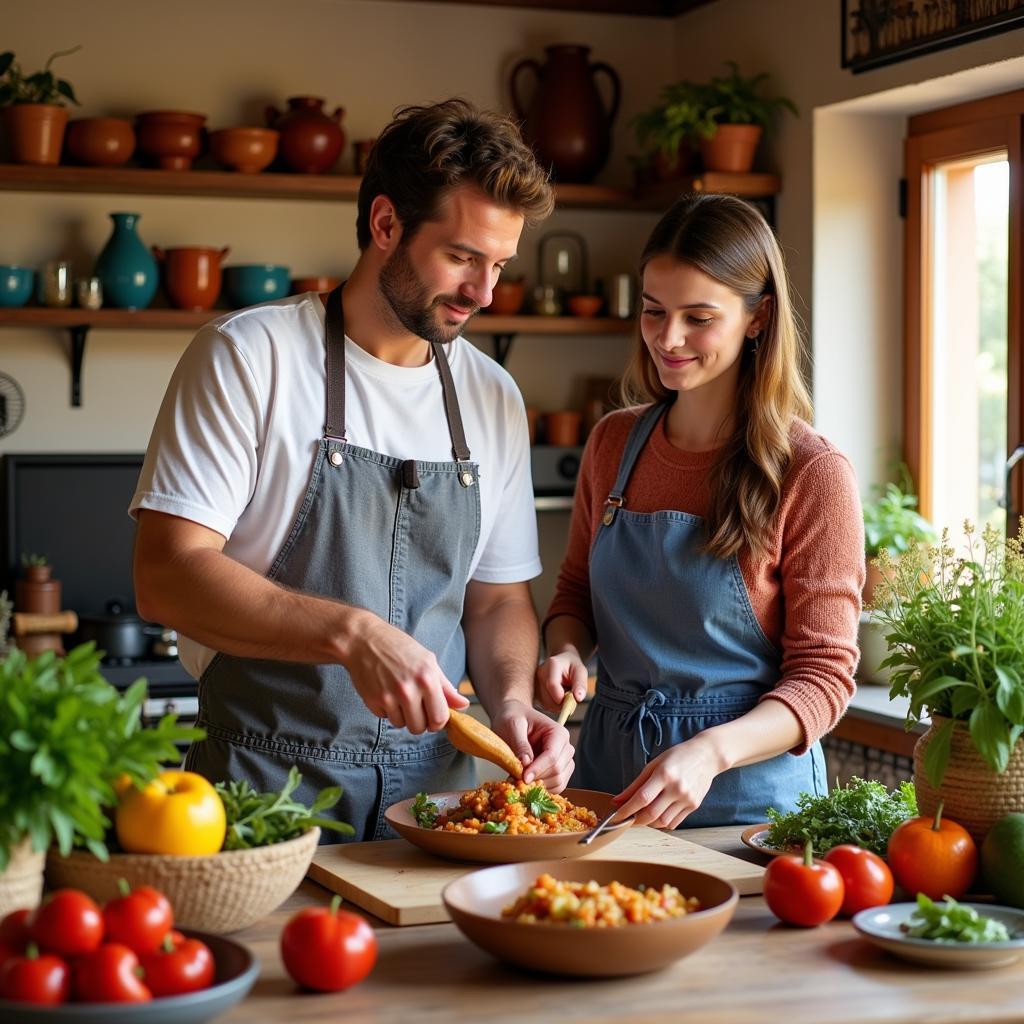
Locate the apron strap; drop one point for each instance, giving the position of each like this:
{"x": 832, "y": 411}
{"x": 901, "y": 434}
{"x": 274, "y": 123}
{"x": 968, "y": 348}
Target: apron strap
{"x": 642, "y": 430}
{"x": 460, "y": 450}
{"x": 335, "y": 363}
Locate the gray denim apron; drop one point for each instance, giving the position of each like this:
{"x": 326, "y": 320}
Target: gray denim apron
{"x": 395, "y": 537}
{"x": 679, "y": 650}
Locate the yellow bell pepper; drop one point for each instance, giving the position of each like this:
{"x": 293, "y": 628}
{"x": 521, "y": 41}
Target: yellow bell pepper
{"x": 177, "y": 813}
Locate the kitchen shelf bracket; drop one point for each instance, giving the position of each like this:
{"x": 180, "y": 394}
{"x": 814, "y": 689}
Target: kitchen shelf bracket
{"x": 79, "y": 334}
{"x": 502, "y": 346}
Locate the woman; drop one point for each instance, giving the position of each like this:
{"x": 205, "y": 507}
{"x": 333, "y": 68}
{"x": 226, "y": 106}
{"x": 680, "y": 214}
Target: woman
{"x": 716, "y": 554}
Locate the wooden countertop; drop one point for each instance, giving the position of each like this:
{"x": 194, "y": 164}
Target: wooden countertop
{"x": 757, "y": 972}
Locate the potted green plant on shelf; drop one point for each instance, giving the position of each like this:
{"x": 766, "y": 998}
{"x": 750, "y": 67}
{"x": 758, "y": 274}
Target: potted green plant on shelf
{"x": 667, "y": 132}
{"x": 66, "y": 737}
{"x": 892, "y": 523}
{"x": 33, "y": 107}
{"x": 955, "y": 630}
{"x": 735, "y": 116}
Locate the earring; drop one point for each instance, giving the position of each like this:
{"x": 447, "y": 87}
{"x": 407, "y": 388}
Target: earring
{"x": 755, "y": 342}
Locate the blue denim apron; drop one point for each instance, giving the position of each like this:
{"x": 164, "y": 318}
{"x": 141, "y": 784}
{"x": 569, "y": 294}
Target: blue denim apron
{"x": 679, "y": 650}
{"x": 395, "y": 537}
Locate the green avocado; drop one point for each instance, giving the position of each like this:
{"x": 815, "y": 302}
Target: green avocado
{"x": 1002, "y": 860}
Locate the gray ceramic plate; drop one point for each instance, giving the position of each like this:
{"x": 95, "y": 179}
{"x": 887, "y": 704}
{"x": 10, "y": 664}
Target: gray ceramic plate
{"x": 236, "y": 972}
{"x": 881, "y": 925}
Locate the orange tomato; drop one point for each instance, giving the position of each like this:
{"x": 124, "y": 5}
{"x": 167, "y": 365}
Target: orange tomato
{"x": 933, "y": 855}
{"x": 177, "y": 813}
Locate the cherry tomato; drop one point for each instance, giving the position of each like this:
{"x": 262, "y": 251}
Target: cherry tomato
{"x": 109, "y": 975}
{"x": 14, "y": 937}
{"x": 139, "y": 918}
{"x": 180, "y": 965}
{"x": 933, "y": 856}
{"x": 328, "y": 949}
{"x": 867, "y": 880}
{"x": 68, "y": 923}
{"x": 35, "y": 978}
{"x": 801, "y": 891}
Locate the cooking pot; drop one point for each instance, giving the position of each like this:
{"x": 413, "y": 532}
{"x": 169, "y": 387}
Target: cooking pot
{"x": 122, "y": 634}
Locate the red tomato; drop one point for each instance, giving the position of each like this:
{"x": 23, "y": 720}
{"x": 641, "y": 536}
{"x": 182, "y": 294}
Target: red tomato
{"x": 800, "y": 891}
{"x": 180, "y": 965}
{"x": 933, "y": 856}
{"x": 69, "y": 923}
{"x": 328, "y": 949}
{"x": 35, "y": 979}
{"x": 867, "y": 880}
{"x": 109, "y": 975}
{"x": 14, "y": 937}
{"x": 138, "y": 919}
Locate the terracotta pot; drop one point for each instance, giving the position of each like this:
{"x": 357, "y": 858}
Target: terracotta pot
{"x": 247, "y": 150}
{"x": 506, "y": 298}
{"x": 973, "y": 795}
{"x": 192, "y": 275}
{"x": 35, "y": 131}
{"x": 585, "y": 305}
{"x": 314, "y": 284}
{"x": 563, "y": 427}
{"x": 21, "y": 882}
{"x": 666, "y": 168}
{"x": 532, "y": 416}
{"x": 101, "y": 141}
{"x": 566, "y": 121}
{"x": 731, "y": 148}
{"x": 170, "y": 138}
{"x": 311, "y": 140}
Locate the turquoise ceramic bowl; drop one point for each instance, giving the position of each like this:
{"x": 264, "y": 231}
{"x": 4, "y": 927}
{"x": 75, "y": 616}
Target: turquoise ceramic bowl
{"x": 15, "y": 285}
{"x": 250, "y": 283}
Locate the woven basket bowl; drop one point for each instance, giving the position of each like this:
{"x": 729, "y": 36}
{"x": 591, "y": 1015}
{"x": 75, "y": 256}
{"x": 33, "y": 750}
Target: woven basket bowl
{"x": 219, "y": 893}
{"x": 21, "y": 883}
{"x": 972, "y": 794}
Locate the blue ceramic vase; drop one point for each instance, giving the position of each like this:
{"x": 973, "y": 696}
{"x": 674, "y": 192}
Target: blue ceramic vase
{"x": 126, "y": 268}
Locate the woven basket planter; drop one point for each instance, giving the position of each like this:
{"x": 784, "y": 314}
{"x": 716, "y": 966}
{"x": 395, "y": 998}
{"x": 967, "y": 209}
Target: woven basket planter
{"x": 21, "y": 885}
{"x": 219, "y": 893}
{"x": 972, "y": 794}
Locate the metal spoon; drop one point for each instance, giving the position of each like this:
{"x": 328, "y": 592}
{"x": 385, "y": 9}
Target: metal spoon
{"x": 601, "y": 826}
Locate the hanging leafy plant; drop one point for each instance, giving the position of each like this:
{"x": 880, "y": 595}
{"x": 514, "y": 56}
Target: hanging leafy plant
{"x": 41, "y": 87}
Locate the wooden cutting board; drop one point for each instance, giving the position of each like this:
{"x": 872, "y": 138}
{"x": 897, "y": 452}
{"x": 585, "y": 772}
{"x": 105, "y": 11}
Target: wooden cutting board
{"x": 400, "y": 884}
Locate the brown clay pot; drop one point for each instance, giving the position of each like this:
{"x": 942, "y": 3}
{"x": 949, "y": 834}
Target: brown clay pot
{"x": 311, "y": 140}
{"x": 192, "y": 275}
{"x": 35, "y": 131}
{"x": 172, "y": 139}
{"x": 506, "y": 298}
{"x": 566, "y": 121}
{"x": 314, "y": 284}
{"x": 731, "y": 148}
{"x": 247, "y": 150}
{"x": 100, "y": 141}
{"x": 563, "y": 427}
{"x": 36, "y": 591}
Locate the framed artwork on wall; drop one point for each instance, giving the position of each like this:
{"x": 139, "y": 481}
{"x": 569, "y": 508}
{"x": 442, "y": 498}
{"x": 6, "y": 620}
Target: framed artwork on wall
{"x": 879, "y": 32}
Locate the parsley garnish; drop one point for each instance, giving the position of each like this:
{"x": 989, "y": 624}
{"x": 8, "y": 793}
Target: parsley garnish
{"x": 538, "y": 802}
{"x": 425, "y": 811}
{"x": 495, "y": 827}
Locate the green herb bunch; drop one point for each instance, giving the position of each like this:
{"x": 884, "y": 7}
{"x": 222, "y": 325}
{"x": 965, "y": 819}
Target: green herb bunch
{"x": 425, "y": 811}
{"x": 66, "y": 735}
{"x": 861, "y": 812}
{"x": 41, "y": 87}
{"x": 734, "y": 99}
{"x": 955, "y": 629}
{"x": 537, "y": 801}
{"x": 892, "y": 522}
{"x": 950, "y": 921}
{"x": 261, "y": 819}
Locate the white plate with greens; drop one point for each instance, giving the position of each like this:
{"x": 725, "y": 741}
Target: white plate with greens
{"x": 887, "y": 927}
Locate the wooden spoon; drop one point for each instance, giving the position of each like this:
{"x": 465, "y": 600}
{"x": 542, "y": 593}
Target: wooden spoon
{"x": 473, "y": 737}
{"x": 568, "y": 707}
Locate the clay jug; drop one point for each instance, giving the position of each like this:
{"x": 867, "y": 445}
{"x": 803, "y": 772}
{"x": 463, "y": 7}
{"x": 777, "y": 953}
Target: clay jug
{"x": 311, "y": 140}
{"x": 566, "y": 122}
{"x": 192, "y": 275}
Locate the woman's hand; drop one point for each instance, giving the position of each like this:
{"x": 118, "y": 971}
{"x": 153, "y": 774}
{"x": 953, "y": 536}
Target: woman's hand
{"x": 673, "y": 785}
{"x": 557, "y": 674}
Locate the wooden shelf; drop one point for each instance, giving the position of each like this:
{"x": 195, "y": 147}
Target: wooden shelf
{"x": 341, "y": 187}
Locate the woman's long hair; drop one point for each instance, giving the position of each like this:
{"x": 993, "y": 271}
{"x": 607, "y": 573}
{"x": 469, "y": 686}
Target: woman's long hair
{"x": 728, "y": 239}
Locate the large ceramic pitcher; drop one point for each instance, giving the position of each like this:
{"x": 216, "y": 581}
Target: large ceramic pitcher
{"x": 566, "y": 122}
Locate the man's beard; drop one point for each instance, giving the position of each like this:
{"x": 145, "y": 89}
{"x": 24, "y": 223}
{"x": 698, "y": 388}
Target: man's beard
{"x": 409, "y": 300}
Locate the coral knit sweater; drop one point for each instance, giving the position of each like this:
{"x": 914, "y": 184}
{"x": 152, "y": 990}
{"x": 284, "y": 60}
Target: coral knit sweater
{"x": 806, "y": 593}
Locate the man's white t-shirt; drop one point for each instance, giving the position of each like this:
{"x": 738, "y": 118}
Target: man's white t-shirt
{"x": 238, "y": 431}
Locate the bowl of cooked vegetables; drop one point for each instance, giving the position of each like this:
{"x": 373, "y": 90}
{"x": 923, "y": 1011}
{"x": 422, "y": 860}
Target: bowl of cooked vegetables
{"x": 505, "y": 822}
{"x": 590, "y": 918}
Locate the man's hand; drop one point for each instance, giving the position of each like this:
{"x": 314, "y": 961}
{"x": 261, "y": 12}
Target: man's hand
{"x": 399, "y": 679}
{"x": 541, "y": 744}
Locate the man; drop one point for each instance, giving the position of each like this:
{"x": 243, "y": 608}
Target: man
{"x": 336, "y": 509}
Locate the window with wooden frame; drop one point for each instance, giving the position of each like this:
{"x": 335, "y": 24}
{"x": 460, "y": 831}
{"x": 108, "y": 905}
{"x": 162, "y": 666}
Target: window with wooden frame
{"x": 963, "y": 365}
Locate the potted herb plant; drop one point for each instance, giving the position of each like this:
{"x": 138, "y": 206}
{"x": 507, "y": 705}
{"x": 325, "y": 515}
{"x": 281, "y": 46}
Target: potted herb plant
{"x": 734, "y": 116}
{"x": 33, "y": 108}
{"x": 667, "y": 132}
{"x": 955, "y": 630}
{"x": 892, "y": 522}
{"x": 66, "y": 737}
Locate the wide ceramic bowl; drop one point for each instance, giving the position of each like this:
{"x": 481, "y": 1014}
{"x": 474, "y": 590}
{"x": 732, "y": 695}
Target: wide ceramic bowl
{"x": 236, "y": 971}
{"x": 475, "y": 903}
{"x": 250, "y": 283}
{"x": 15, "y": 285}
{"x": 100, "y": 141}
{"x": 499, "y": 849}
{"x": 247, "y": 150}
{"x": 314, "y": 284}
